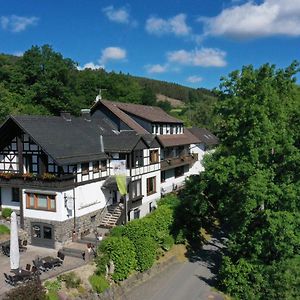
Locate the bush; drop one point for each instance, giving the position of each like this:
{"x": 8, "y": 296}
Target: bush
{"x": 170, "y": 200}
{"x": 167, "y": 242}
{"x": 98, "y": 283}
{"x": 6, "y": 212}
{"x": 121, "y": 251}
{"x": 4, "y": 229}
{"x": 32, "y": 290}
{"x": 102, "y": 261}
{"x": 117, "y": 231}
{"x": 53, "y": 286}
{"x": 162, "y": 218}
{"x": 180, "y": 237}
{"x": 145, "y": 253}
{"x": 71, "y": 280}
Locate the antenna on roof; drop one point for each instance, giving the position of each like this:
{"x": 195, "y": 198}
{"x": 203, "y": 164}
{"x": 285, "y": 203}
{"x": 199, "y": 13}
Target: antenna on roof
{"x": 99, "y": 96}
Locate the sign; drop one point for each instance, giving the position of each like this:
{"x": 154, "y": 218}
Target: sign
{"x": 69, "y": 202}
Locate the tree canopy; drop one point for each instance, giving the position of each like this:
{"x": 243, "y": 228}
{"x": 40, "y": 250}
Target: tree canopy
{"x": 252, "y": 180}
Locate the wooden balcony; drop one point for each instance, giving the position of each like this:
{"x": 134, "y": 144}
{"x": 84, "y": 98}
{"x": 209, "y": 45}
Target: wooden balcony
{"x": 174, "y": 162}
{"x": 46, "y": 181}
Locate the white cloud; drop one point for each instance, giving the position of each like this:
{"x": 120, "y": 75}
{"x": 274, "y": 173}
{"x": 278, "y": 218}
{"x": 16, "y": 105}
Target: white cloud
{"x": 112, "y": 53}
{"x": 194, "y": 79}
{"x": 250, "y": 20}
{"x": 205, "y": 57}
{"x": 175, "y": 25}
{"x": 15, "y": 23}
{"x": 119, "y": 15}
{"x": 18, "y": 53}
{"x": 156, "y": 68}
{"x": 91, "y": 65}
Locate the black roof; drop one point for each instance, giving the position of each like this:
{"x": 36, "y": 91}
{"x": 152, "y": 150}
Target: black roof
{"x": 69, "y": 141}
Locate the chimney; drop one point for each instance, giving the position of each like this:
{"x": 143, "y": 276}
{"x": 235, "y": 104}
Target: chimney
{"x": 66, "y": 116}
{"x": 101, "y": 143}
{"x": 86, "y": 114}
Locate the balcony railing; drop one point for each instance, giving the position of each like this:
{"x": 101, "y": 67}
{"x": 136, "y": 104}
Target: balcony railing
{"x": 29, "y": 180}
{"x": 174, "y": 162}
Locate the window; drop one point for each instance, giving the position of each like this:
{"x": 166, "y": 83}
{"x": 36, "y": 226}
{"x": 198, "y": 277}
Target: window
{"x": 15, "y": 195}
{"x": 41, "y": 202}
{"x": 154, "y": 156}
{"x": 151, "y": 185}
{"x": 179, "y": 171}
{"x": 96, "y": 166}
{"x": 161, "y": 129}
{"x": 103, "y": 165}
{"x": 28, "y": 163}
{"x": 85, "y": 168}
{"x": 138, "y": 158}
{"x": 171, "y": 129}
{"x": 136, "y": 189}
{"x": 136, "y": 213}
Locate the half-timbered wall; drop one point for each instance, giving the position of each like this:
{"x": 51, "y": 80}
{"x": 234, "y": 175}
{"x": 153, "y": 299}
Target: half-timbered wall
{"x": 9, "y": 158}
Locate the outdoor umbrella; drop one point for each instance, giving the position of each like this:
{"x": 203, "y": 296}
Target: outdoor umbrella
{"x": 14, "y": 243}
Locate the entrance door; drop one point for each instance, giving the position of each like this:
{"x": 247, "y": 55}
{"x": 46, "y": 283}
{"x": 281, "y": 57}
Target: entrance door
{"x": 42, "y": 235}
{"x": 115, "y": 197}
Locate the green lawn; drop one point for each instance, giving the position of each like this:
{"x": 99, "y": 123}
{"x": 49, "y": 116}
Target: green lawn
{"x": 4, "y": 229}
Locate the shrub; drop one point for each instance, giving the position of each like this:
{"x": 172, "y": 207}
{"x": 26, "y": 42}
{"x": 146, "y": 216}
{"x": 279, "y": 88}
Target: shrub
{"x": 31, "y": 290}
{"x": 71, "y": 280}
{"x": 6, "y": 212}
{"x": 98, "y": 283}
{"x": 162, "y": 218}
{"x": 121, "y": 251}
{"x": 180, "y": 237}
{"x": 145, "y": 253}
{"x": 167, "y": 242}
{"x": 137, "y": 229}
{"x": 4, "y": 229}
{"x": 102, "y": 262}
{"x": 53, "y": 286}
{"x": 117, "y": 231}
{"x": 170, "y": 200}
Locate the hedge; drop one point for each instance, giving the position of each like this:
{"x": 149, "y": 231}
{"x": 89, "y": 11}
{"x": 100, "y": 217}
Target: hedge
{"x": 121, "y": 251}
{"x": 145, "y": 253}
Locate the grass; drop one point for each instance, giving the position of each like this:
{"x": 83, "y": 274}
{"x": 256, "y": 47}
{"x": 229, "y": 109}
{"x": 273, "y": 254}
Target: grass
{"x": 4, "y": 229}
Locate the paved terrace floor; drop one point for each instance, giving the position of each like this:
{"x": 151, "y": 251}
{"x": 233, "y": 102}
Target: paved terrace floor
{"x": 27, "y": 257}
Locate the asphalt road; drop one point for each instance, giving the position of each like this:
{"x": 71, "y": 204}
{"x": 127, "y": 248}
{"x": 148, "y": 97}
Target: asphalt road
{"x": 190, "y": 280}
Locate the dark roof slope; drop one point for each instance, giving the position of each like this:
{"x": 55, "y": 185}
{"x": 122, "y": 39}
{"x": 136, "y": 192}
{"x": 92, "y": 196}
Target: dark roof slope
{"x": 77, "y": 140}
{"x": 178, "y": 139}
{"x": 122, "y": 116}
{"x": 205, "y": 136}
{"x": 150, "y": 113}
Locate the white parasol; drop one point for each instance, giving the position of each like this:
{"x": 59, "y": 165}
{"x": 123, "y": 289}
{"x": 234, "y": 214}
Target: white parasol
{"x": 14, "y": 243}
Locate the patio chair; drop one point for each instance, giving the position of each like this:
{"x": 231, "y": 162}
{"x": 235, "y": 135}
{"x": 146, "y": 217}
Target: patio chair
{"x": 14, "y": 280}
{"x": 6, "y": 250}
{"x": 39, "y": 265}
{"x": 7, "y": 280}
{"x": 28, "y": 267}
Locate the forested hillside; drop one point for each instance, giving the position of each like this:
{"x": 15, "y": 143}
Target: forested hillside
{"x": 42, "y": 81}
{"x": 252, "y": 183}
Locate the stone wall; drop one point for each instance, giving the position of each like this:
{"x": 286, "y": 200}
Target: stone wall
{"x": 63, "y": 231}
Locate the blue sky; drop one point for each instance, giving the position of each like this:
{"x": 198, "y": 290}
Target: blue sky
{"x": 190, "y": 42}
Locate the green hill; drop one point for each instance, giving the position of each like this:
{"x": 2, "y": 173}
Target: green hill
{"x": 42, "y": 81}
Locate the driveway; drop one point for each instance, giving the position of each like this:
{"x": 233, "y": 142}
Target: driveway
{"x": 190, "y": 280}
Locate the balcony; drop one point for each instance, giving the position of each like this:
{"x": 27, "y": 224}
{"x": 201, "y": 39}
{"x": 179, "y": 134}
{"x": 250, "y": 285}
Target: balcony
{"x": 135, "y": 202}
{"x": 28, "y": 180}
{"x": 174, "y": 162}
